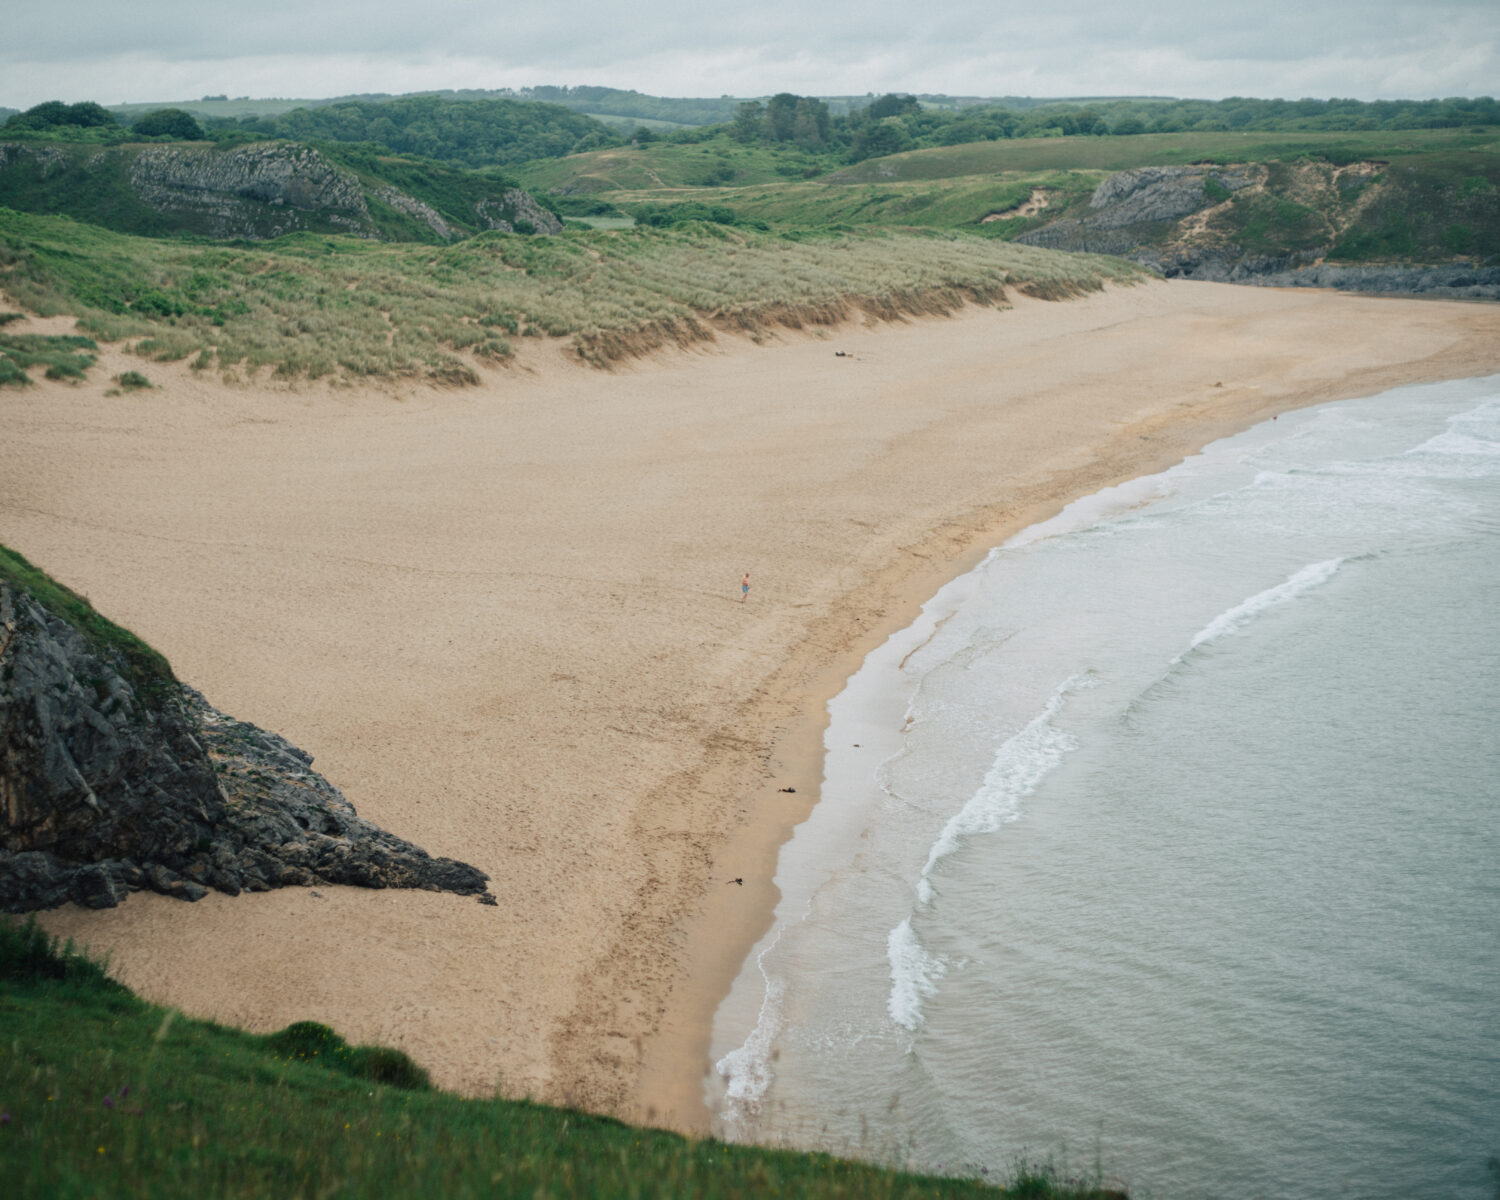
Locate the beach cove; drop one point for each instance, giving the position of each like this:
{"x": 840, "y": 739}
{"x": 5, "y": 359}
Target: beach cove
{"x": 506, "y": 622}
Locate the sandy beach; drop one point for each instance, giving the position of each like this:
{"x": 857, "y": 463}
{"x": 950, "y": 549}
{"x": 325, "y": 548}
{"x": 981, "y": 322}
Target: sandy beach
{"x": 506, "y": 621}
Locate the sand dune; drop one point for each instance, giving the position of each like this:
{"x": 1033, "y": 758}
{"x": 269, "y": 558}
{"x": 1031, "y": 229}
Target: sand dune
{"x": 506, "y": 621}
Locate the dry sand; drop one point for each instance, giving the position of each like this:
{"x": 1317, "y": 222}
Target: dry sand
{"x": 506, "y": 621}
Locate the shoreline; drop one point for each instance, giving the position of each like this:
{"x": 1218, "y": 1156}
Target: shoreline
{"x": 512, "y": 633}
{"x": 668, "y": 1093}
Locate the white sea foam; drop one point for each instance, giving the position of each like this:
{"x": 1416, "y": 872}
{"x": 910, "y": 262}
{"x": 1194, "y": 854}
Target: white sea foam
{"x": 746, "y": 1071}
{"x": 914, "y": 975}
{"x": 1242, "y": 614}
{"x": 1020, "y": 765}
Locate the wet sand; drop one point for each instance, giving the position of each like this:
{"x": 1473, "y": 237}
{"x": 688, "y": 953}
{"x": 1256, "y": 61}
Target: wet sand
{"x": 506, "y": 621}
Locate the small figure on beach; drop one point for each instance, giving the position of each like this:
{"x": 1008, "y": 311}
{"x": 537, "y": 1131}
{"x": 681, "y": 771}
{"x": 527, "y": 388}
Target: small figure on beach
{"x": 744, "y": 587}
{"x": 737, "y": 879}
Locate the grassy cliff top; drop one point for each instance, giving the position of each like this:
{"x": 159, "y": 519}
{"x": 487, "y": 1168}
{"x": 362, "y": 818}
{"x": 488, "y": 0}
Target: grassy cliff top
{"x": 103, "y": 1094}
{"x": 146, "y": 667}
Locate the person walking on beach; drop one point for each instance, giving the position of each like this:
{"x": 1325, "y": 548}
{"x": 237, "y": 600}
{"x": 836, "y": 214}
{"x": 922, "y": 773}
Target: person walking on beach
{"x": 744, "y": 587}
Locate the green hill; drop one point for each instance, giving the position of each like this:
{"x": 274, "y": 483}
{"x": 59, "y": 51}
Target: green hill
{"x": 260, "y": 190}
{"x": 470, "y": 133}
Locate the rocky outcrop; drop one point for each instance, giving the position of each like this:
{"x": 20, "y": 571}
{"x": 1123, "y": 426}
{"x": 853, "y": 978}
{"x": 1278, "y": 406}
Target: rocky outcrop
{"x": 1149, "y": 194}
{"x": 1452, "y": 281}
{"x": 1270, "y": 225}
{"x": 512, "y": 206}
{"x": 413, "y": 207}
{"x": 112, "y": 781}
{"x": 237, "y": 192}
{"x": 1133, "y": 209}
{"x": 251, "y": 192}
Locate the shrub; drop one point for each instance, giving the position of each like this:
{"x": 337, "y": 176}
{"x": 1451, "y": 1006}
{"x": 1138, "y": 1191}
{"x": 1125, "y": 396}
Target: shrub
{"x": 30, "y": 956}
{"x": 63, "y": 357}
{"x": 133, "y": 381}
{"x": 316, "y": 1043}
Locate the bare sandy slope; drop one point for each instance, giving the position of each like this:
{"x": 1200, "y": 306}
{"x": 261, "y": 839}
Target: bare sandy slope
{"x": 506, "y": 621}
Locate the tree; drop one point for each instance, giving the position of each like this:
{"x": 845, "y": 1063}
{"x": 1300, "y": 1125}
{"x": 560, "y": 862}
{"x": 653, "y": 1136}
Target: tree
{"x": 894, "y": 105}
{"x": 810, "y": 123}
{"x": 889, "y": 136}
{"x": 781, "y": 117}
{"x": 51, "y": 114}
{"x": 749, "y": 121}
{"x": 170, "y": 122}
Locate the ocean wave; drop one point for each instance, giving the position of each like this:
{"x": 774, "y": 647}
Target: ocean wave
{"x": 1236, "y": 618}
{"x": 746, "y": 1071}
{"x": 914, "y": 975}
{"x": 1019, "y": 767}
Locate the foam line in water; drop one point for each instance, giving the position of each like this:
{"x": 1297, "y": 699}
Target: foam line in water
{"x": 914, "y": 975}
{"x": 1236, "y": 618}
{"x": 1020, "y": 765}
{"x": 747, "y": 1071}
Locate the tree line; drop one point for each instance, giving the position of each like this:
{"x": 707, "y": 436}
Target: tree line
{"x": 894, "y": 122}
{"x": 458, "y": 129}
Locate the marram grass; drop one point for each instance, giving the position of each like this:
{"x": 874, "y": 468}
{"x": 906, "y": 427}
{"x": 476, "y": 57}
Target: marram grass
{"x": 314, "y": 306}
{"x": 104, "y": 1095}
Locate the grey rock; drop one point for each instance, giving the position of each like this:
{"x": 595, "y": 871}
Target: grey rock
{"x": 232, "y": 189}
{"x": 1132, "y": 209}
{"x": 425, "y": 213}
{"x": 108, "y": 785}
{"x": 258, "y": 191}
{"x": 1148, "y": 194}
{"x": 514, "y": 205}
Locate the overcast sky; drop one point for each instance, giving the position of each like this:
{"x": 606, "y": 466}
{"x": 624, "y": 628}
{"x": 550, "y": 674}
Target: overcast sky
{"x": 113, "y": 51}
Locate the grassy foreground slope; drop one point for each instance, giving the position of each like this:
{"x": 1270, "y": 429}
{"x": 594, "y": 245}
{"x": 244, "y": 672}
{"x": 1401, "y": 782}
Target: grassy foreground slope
{"x": 313, "y": 305}
{"x": 104, "y": 1095}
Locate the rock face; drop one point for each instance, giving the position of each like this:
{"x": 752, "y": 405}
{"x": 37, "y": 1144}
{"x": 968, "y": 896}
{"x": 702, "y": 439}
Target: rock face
{"x": 252, "y": 192}
{"x": 1131, "y": 211}
{"x": 234, "y": 189}
{"x": 1453, "y": 281}
{"x": 1198, "y": 223}
{"x": 109, "y": 785}
{"x": 515, "y": 205}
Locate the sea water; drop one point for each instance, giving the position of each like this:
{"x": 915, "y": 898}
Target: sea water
{"x": 1167, "y": 842}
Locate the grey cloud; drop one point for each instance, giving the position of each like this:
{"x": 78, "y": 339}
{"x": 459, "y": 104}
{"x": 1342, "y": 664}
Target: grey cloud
{"x": 685, "y": 46}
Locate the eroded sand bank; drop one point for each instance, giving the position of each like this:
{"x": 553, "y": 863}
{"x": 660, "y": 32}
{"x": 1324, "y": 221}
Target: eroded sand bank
{"x": 506, "y": 621}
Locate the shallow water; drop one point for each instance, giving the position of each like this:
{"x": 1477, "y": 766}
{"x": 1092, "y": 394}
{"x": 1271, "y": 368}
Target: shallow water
{"x": 1167, "y": 838}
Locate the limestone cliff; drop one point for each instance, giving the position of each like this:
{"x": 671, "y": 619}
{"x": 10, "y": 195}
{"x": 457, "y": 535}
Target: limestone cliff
{"x": 1270, "y": 224}
{"x": 258, "y": 191}
{"x": 114, "y": 779}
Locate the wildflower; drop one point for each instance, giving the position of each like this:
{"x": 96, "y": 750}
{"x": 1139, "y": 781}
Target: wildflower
{"x": 109, "y": 1102}
{"x": 5, "y": 1118}
{"x": 124, "y": 1091}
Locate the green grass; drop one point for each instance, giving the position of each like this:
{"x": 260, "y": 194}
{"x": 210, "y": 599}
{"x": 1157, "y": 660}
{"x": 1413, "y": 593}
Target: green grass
{"x": 715, "y": 162}
{"x": 1161, "y": 149}
{"x": 314, "y": 306}
{"x": 63, "y": 356}
{"x": 1435, "y": 196}
{"x": 148, "y": 671}
{"x": 102, "y": 1094}
{"x": 952, "y": 204}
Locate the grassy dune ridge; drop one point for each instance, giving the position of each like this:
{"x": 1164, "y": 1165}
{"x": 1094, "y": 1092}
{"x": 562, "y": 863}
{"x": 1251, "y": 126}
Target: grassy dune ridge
{"x": 313, "y": 306}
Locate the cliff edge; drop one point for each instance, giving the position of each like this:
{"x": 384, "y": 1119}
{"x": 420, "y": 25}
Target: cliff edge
{"x": 114, "y": 777}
